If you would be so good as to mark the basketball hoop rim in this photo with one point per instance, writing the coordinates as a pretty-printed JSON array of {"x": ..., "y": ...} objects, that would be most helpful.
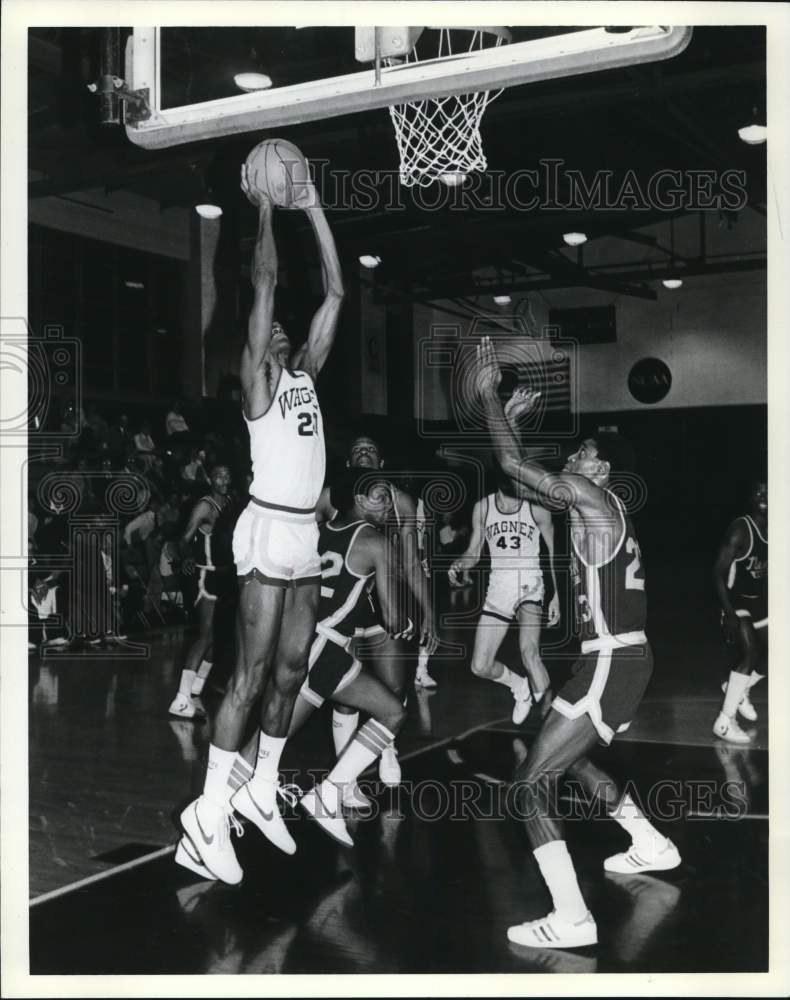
[{"x": 498, "y": 31}]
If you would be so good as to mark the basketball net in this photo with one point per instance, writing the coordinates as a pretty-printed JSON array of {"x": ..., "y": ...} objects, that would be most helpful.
[{"x": 439, "y": 137}]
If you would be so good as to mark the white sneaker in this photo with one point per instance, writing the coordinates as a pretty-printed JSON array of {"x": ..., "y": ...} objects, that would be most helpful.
[
  {"x": 728, "y": 729},
  {"x": 261, "y": 809},
  {"x": 745, "y": 706},
  {"x": 660, "y": 856},
  {"x": 424, "y": 680},
  {"x": 552, "y": 931},
  {"x": 183, "y": 707},
  {"x": 353, "y": 798},
  {"x": 188, "y": 857},
  {"x": 522, "y": 697},
  {"x": 208, "y": 826},
  {"x": 314, "y": 804},
  {"x": 389, "y": 766},
  {"x": 59, "y": 640}
]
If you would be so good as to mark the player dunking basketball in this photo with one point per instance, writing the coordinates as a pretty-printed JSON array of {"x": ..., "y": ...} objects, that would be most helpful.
[
  {"x": 608, "y": 681},
  {"x": 274, "y": 546}
]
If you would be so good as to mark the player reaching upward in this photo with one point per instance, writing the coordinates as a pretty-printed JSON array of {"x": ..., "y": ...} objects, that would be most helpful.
[
  {"x": 202, "y": 563},
  {"x": 274, "y": 543},
  {"x": 512, "y": 528},
  {"x": 609, "y": 679},
  {"x": 740, "y": 577}
]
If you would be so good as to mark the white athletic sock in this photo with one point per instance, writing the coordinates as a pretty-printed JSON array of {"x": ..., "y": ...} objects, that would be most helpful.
[
  {"x": 559, "y": 874},
  {"x": 360, "y": 753},
  {"x": 343, "y": 729},
  {"x": 216, "y": 787},
  {"x": 267, "y": 765},
  {"x": 737, "y": 686},
  {"x": 200, "y": 678},
  {"x": 633, "y": 821},
  {"x": 755, "y": 678},
  {"x": 240, "y": 773},
  {"x": 186, "y": 682},
  {"x": 508, "y": 678},
  {"x": 422, "y": 660}
]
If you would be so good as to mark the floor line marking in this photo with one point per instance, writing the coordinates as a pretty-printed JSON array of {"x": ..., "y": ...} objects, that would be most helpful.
[{"x": 99, "y": 876}]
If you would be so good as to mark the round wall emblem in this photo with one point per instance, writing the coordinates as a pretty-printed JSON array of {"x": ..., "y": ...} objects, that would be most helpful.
[{"x": 649, "y": 380}]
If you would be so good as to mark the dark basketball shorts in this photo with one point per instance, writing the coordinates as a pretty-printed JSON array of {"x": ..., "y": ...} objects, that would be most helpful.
[
  {"x": 608, "y": 683},
  {"x": 753, "y": 608},
  {"x": 330, "y": 668}
]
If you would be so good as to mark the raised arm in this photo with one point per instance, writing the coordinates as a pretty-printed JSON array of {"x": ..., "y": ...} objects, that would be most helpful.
[
  {"x": 255, "y": 382},
  {"x": 323, "y": 327},
  {"x": 459, "y": 569},
  {"x": 556, "y": 491},
  {"x": 735, "y": 545}
]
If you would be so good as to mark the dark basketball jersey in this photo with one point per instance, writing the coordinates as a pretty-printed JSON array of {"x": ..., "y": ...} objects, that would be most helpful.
[
  {"x": 748, "y": 576},
  {"x": 610, "y": 598},
  {"x": 203, "y": 546},
  {"x": 343, "y": 606}
]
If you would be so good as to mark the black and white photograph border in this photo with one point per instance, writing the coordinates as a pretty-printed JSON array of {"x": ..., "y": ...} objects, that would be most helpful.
[{"x": 629, "y": 380}]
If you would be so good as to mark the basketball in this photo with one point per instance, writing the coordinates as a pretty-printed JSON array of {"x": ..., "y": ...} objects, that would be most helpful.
[{"x": 278, "y": 169}]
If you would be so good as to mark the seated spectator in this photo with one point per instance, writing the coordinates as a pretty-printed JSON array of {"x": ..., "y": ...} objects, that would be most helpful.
[
  {"x": 119, "y": 439},
  {"x": 194, "y": 470},
  {"x": 175, "y": 423},
  {"x": 144, "y": 444}
]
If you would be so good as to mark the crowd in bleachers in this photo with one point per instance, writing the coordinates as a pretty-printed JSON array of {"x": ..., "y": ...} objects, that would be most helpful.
[{"x": 166, "y": 459}]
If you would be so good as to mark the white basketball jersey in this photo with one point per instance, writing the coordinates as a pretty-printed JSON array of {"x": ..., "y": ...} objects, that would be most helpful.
[
  {"x": 287, "y": 446},
  {"x": 513, "y": 539}
]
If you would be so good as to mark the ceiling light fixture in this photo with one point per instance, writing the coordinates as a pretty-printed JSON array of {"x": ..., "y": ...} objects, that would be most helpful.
[
  {"x": 672, "y": 283},
  {"x": 369, "y": 260},
  {"x": 252, "y": 81},
  {"x": 754, "y": 135},
  {"x": 208, "y": 211},
  {"x": 574, "y": 239},
  {"x": 502, "y": 300},
  {"x": 137, "y": 285}
]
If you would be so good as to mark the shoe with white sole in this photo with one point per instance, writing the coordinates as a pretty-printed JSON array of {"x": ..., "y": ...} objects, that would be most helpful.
[
  {"x": 188, "y": 857},
  {"x": 354, "y": 799},
  {"x": 318, "y": 803},
  {"x": 745, "y": 706},
  {"x": 522, "y": 698},
  {"x": 389, "y": 766},
  {"x": 424, "y": 680},
  {"x": 728, "y": 729},
  {"x": 259, "y": 805},
  {"x": 659, "y": 856},
  {"x": 208, "y": 826},
  {"x": 183, "y": 707},
  {"x": 553, "y": 931}
]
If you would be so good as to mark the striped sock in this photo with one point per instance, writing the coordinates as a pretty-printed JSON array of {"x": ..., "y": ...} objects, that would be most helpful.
[
  {"x": 220, "y": 765},
  {"x": 200, "y": 678},
  {"x": 240, "y": 773},
  {"x": 343, "y": 728},
  {"x": 366, "y": 746}
]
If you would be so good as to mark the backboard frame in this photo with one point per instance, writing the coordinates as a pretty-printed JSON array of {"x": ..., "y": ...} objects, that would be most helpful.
[{"x": 584, "y": 51}]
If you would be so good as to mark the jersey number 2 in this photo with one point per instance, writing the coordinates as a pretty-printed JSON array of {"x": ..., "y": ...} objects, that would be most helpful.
[
  {"x": 306, "y": 425},
  {"x": 632, "y": 581},
  {"x": 331, "y": 565}
]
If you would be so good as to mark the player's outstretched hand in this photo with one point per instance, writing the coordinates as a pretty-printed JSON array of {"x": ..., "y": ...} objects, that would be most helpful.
[
  {"x": 522, "y": 400},
  {"x": 488, "y": 374},
  {"x": 254, "y": 196}
]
